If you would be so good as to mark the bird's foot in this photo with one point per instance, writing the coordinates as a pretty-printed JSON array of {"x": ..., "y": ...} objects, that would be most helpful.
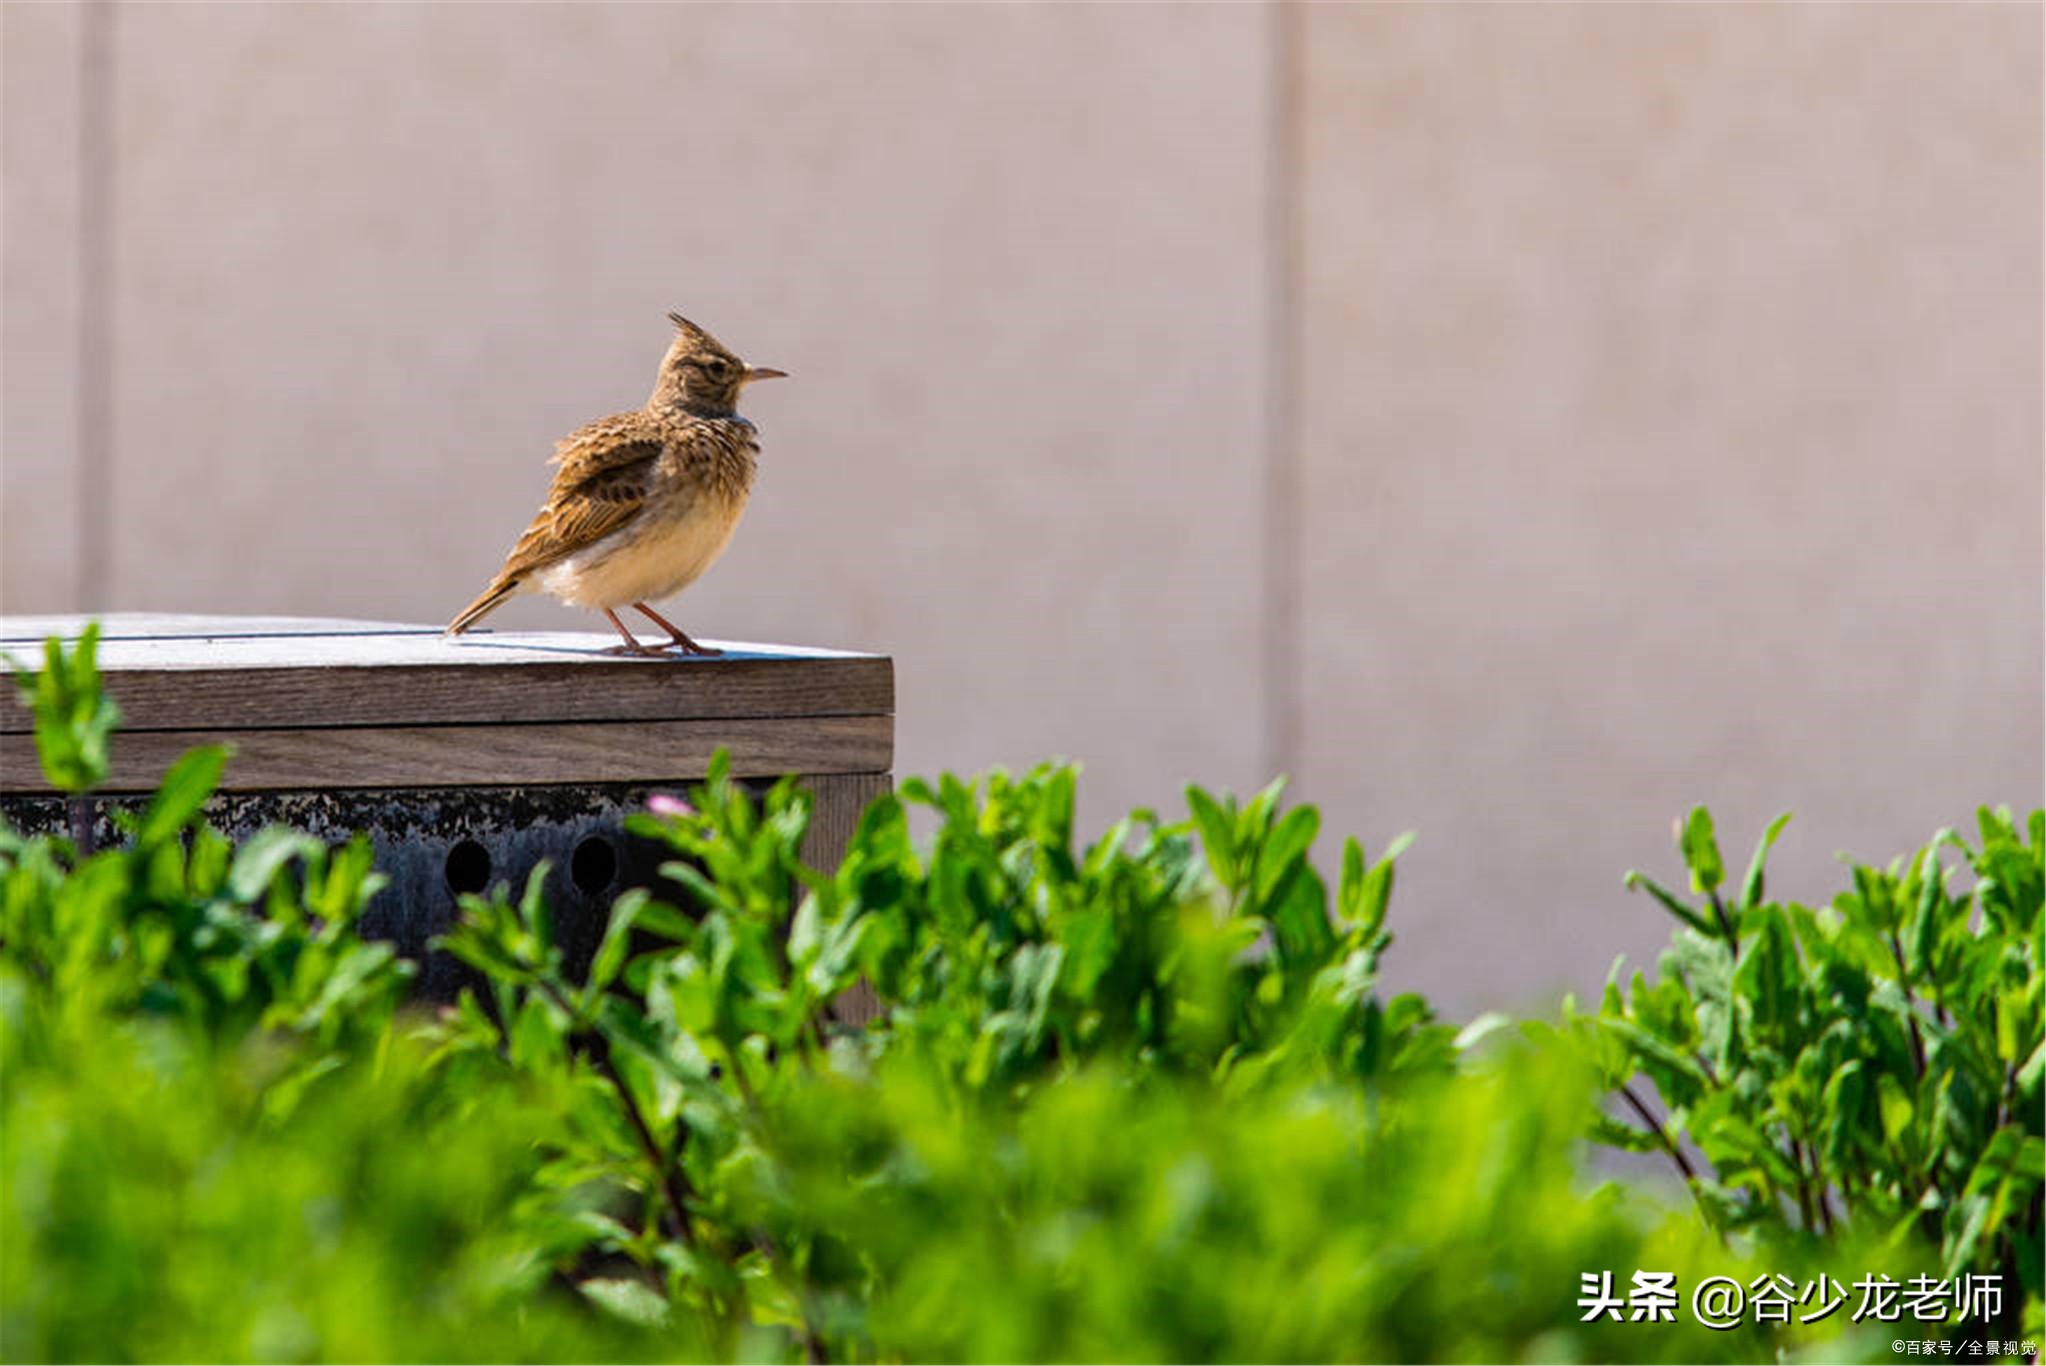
[
  {"x": 636, "y": 651},
  {"x": 678, "y": 639}
]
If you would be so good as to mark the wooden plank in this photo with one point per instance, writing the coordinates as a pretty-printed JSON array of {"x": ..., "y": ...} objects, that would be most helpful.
[
  {"x": 137, "y": 625},
  {"x": 456, "y": 756},
  {"x": 840, "y": 798},
  {"x": 342, "y": 696},
  {"x": 416, "y": 677}
]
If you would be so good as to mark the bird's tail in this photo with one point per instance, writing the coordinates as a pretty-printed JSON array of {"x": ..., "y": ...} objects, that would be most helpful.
[{"x": 491, "y": 598}]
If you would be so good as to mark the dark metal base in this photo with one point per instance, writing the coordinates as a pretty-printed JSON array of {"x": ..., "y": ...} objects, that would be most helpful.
[{"x": 434, "y": 844}]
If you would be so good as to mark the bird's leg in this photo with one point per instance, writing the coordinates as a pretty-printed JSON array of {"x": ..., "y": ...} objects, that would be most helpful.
[
  {"x": 675, "y": 636},
  {"x": 631, "y": 646}
]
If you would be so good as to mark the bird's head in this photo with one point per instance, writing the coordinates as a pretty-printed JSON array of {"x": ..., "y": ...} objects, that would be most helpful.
[{"x": 700, "y": 375}]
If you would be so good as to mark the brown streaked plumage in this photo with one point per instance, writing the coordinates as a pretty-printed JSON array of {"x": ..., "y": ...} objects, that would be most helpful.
[{"x": 643, "y": 502}]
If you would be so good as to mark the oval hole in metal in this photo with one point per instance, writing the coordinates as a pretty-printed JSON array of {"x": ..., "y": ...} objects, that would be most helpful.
[
  {"x": 468, "y": 867},
  {"x": 594, "y": 865}
]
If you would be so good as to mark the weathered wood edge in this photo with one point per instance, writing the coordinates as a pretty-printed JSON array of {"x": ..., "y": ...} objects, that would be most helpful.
[
  {"x": 495, "y": 755},
  {"x": 146, "y": 640},
  {"x": 22, "y": 628},
  {"x": 342, "y": 695}
]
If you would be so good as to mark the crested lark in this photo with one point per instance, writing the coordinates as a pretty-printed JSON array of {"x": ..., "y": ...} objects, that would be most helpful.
[{"x": 642, "y": 502}]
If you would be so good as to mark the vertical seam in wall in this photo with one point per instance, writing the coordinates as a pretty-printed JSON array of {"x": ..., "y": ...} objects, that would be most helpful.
[
  {"x": 1283, "y": 550},
  {"x": 95, "y": 305}
]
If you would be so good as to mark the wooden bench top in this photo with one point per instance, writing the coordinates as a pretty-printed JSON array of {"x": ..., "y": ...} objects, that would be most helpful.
[{"x": 338, "y": 703}]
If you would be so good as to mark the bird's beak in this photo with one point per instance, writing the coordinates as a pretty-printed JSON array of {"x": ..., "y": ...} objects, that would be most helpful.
[{"x": 754, "y": 372}]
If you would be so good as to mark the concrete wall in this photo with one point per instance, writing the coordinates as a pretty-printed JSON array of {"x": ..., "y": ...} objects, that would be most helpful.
[{"x": 1516, "y": 422}]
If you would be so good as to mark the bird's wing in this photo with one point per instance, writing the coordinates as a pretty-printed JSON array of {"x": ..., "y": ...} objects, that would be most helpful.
[{"x": 605, "y": 471}]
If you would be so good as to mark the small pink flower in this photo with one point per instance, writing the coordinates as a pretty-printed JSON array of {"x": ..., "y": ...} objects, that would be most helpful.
[{"x": 661, "y": 804}]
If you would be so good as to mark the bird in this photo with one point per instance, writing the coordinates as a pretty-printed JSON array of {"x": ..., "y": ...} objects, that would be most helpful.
[{"x": 642, "y": 503}]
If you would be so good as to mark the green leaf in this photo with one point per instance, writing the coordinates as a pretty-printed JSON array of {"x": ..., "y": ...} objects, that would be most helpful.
[
  {"x": 610, "y": 956},
  {"x": 1896, "y": 1105},
  {"x": 624, "y": 1027},
  {"x": 1700, "y": 849},
  {"x": 184, "y": 790},
  {"x": 1482, "y": 1027},
  {"x": 534, "y": 912},
  {"x": 1218, "y": 834},
  {"x": 261, "y": 856},
  {"x": 630, "y": 1301},
  {"x": 806, "y": 932},
  {"x": 74, "y": 718},
  {"x": 708, "y": 891},
  {"x": 536, "y": 1036},
  {"x": 657, "y": 917},
  {"x": 1641, "y": 882},
  {"x": 1299, "y": 918},
  {"x": 1657, "y": 1053},
  {"x": 1751, "y": 886},
  {"x": 1350, "y": 889},
  {"x": 1286, "y": 847},
  {"x": 1768, "y": 974},
  {"x": 1375, "y": 895},
  {"x": 1254, "y": 821},
  {"x": 2033, "y": 1072}
]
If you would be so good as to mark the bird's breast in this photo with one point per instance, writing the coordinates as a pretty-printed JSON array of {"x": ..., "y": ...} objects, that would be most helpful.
[{"x": 675, "y": 538}]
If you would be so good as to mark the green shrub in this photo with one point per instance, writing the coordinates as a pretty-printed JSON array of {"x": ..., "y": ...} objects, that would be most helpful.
[
  {"x": 1003, "y": 961},
  {"x": 1874, "y": 1065}
]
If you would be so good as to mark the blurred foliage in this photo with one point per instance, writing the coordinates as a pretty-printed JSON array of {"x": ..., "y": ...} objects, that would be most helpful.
[
  {"x": 1142, "y": 1100},
  {"x": 74, "y": 718},
  {"x": 163, "y": 1201},
  {"x": 1102, "y": 1219}
]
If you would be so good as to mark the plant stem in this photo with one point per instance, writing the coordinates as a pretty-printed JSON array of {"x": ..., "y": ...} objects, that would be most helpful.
[
  {"x": 671, "y": 1182},
  {"x": 1628, "y": 1094},
  {"x": 1807, "y": 1154},
  {"x": 81, "y": 827},
  {"x": 667, "y": 1174},
  {"x": 1910, "y": 1007},
  {"x": 1804, "y": 1190},
  {"x": 1733, "y": 942}
]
